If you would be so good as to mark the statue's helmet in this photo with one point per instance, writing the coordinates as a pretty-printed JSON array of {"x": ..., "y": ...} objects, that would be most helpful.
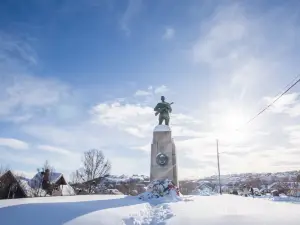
[{"x": 162, "y": 98}]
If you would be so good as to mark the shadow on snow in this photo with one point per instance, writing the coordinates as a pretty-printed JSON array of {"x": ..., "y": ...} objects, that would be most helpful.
[{"x": 58, "y": 213}]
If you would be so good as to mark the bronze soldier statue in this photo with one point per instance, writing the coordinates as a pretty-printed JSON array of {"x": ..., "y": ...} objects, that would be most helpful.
[{"x": 163, "y": 109}]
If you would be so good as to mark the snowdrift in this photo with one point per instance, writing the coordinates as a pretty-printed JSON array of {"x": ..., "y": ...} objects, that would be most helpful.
[{"x": 161, "y": 189}]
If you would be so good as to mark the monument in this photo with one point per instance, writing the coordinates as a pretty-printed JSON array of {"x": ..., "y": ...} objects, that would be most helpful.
[{"x": 163, "y": 151}]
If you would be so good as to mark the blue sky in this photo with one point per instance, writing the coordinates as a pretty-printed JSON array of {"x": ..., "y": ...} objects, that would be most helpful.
[{"x": 81, "y": 74}]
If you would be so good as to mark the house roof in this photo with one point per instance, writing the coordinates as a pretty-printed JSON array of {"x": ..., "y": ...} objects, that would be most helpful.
[
  {"x": 53, "y": 178},
  {"x": 26, "y": 187},
  {"x": 22, "y": 183},
  {"x": 204, "y": 186}
]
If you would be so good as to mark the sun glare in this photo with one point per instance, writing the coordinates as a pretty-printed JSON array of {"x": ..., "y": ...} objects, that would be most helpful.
[
  {"x": 233, "y": 120},
  {"x": 228, "y": 123}
]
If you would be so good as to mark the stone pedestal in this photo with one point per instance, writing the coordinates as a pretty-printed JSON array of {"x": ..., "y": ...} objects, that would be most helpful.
[{"x": 163, "y": 155}]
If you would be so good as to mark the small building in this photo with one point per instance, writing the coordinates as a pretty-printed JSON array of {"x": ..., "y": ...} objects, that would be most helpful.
[
  {"x": 59, "y": 185},
  {"x": 13, "y": 186},
  {"x": 187, "y": 187}
]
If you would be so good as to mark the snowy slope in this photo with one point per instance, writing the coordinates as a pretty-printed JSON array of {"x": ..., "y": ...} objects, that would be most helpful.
[
  {"x": 112, "y": 210},
  {"x": 126, "y": 179}
]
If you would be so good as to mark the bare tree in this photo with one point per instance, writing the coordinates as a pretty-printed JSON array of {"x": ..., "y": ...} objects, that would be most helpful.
[
  {"x": 95, "y": 165},
  {"x": 48, "y": 166},
  {"x": 75, "y": 177}
]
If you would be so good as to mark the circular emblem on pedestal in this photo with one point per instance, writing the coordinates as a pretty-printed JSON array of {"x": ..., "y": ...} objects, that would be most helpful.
[{"x": 162, "y": 159}]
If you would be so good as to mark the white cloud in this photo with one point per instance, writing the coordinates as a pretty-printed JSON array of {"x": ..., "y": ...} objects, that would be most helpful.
[
  {"x": 13, "y": 143},
  {"x": 293, "y": 133},
  {"x": 23, "y": 159},
  {"x": 54, "y": 149},
  {"x": 131, "y": 118},
  {"x": 146, "y": 148},
  {"x": 161, "y": 89},
  {"x": 294, "y": 111},
  {"x": 288, "y": 104},
  {"x": 15, "y": 50},
  {"x": 18, "y": 118},
  {"x": 214, "y": 45},
  {"x": 133, "y": 8},
  {"x": 32, "y": 91},
  {"x": 21, "y": 94},
  {"x": 182, "y": 119},
  {"x": 78, "y": 137},
  {"x": 248, "y": 55},
  {"x": 139, "y": 120},
  {"x": 142, "y": 93},
  {"x": 169, "y": 33},
  {"x": 27, "y": 174}
]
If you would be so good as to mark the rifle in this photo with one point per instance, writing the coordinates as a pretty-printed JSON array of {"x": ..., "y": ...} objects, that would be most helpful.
[{"x": 159, "y": 112}]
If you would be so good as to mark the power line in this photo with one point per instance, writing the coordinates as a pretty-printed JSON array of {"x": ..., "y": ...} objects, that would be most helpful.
[
  {"x": 293, "y": 83},
  {"x": 289, "y": 84},
  {"x": 289, "y": 87}
]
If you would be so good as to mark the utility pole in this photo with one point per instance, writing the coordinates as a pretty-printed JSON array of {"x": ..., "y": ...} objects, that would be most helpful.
[{"x": 220, "y": 188}]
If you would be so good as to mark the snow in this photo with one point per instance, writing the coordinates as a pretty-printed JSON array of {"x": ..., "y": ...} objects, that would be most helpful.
[
  {"x": 161, "y": 189},
  {"x": 53, "y": 178},
  {"x": 129, "y": 210},
  {"x": 203, "y": 192},
  {"x": 162, "y": 128},
  {"x": 26, "y": 188},
  {"x": 125, "y": 178},
  {"x": 67, "y": 190}
]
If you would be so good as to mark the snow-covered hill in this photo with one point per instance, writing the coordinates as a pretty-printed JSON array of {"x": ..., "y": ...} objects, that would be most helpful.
[
  {"x": 113, "y": 210},
  {"x": 126, "y": 178}
]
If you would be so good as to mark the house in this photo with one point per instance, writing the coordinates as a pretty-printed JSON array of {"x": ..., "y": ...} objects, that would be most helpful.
[
  {"x": 187, "y": 187},
  {"x": 13, "y": 186},
  {"x": 56, "y": 180},
  {"x": 288, "y": 188},
  {"x": 204, "y": 188}
]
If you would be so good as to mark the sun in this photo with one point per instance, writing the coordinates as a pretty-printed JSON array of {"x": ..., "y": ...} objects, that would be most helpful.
[
  {"x": 233, "y": 119},
  {"x": 228, "y": 123}
]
